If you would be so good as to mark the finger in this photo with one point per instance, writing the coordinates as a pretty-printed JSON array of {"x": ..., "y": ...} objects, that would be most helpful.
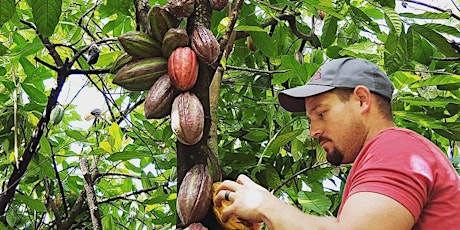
[
  {"x": 243, "y": 179},
  {"x": 227, "y": 212},
  {"x": 221, "y": 195},
  {"x": 228, "y": 185}
]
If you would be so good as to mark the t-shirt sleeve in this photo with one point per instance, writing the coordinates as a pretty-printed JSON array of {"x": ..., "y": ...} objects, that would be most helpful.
[{"x": 397, "y": 171}]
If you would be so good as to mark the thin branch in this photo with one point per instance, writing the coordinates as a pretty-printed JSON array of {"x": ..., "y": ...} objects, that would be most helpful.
[
  {"x": 89, "y": 71},
  {"x": 61, "y": 187},
  {"x": 46, "y": 64},
  {"x": 82, "y": 51},
  {"x": 120, "y": 174},
  {"x": 446, "y": 59},
  {"x": 256, "y": 70},
  {"x": 435, "y": 8},
  {"x": 90, "y": 195},
  {"x": 124, "y": 196},
  {"x": 297, "y": 174}
]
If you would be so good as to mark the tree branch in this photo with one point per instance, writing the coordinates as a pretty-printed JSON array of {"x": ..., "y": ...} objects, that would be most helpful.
[
  {"x": 124, "y": 196},
  {"x": 90, "y": 196},
  {"x": 435, "y": 8},
  {"x": 296, "y": 174},
  {"x": 89, "y": 71}
]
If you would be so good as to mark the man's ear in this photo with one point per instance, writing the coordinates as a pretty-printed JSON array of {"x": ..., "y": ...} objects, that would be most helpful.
[{"x": 363, "y": 95}]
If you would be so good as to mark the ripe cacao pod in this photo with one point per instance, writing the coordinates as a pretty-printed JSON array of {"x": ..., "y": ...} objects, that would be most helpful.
[
  {"x": 233, "y": 223},
  {"x": 140, "y": 74},
  {"x": 174, "y": 37},
  {"x": 183, "y": 68},
  {"x": 196, "y": 226},
  {"x": 187, "y": 118},
  {"x": 140, "y": 45},
  {"x": 218, "y": 4},
  {"x": 161, "y": 20},
  {"x": 181, "y": 8},
  {"x": 120, "y": 62},
  {"x": 205, "y": 45},
  {"x": 159, "y": 99},
  {"x": 194, "y": 196}
]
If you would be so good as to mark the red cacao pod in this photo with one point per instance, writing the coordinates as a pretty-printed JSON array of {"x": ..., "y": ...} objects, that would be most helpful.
[
  {"x": 218, "y": 4},
  {"x": 195, "y": 194},
  {"x": 187, "y": 118},
  {"x": 196, "y": 226},
  {"x": 160, "y": 97},
  {"x": 183, "y": 68},
  {"x": 205, "y": 45}
]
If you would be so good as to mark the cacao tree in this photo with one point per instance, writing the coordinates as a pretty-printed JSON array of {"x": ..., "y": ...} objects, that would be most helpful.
[{"x": 82, "y": 146}]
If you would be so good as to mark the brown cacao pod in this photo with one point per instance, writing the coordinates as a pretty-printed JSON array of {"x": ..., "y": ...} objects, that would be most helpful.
[
  {"x": 140, "y": 74},
  {"x": 183, "y": 68},
  {"x": 187, "y": 118},
  {"x": 196, "y": 226},
  {"x": 194, "y": 196},
  {"x": 181, "y": 8},
  {"x": 161, "y": 20},
  {"x": 140, "y": 45},
  {"x": 122, "y": 60},
  {"x": 233, "y": 223},
  {"x": 159, "y": 99},
  {"x": 218, "y": 4},
  {"x": 174, "y": 37},
  {"x": 205, "y": 45}
]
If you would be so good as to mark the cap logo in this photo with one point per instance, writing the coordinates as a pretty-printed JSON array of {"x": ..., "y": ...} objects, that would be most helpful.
[{"x": 317, "y": 76}]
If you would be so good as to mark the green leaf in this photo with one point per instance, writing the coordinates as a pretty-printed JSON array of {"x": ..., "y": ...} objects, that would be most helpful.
[
  {"x": 392, "y": 19},
  {"x": 440, "y": 102},
  {"x": 78, "y": 136},
  {"x": 128, "y": 155},
  {"x": 360, "y": 17},
  {"x": 421, "y": 119},
  {"x": 311, "y": 201},
  {"x": 45, "y": 146},
  {"x": 7, "y": 10},
  {"x": 34, "y": 94},
  {"x": 256, "y": 135},
  {"x": 437, "y": 80},
  {"x": 427, "y": 15},
  {"x": 116, "y": 133},
  {"x": 264, "y": 43},
  {"x": 46, "y": 15},
  {"x": 282, "y": 139},
  {"x": 34, "y": 204},
  {"x": 436, "y": 39},
  {"x": 249, "y": 28},
  {"x": 3, "y": 49},
  {"x": 443, "y": 29},
  {"x": 329, "y": 31}
]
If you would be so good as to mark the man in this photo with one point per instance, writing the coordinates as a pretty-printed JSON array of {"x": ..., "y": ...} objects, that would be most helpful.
[{"x": 399, "y": 179}]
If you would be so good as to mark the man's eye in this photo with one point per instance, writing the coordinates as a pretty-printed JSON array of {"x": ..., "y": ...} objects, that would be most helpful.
[{"x": 321, "y": 115}]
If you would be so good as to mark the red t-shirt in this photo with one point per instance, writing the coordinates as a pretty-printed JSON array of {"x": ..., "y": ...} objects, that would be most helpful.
[{"x": 410, "y": 169}]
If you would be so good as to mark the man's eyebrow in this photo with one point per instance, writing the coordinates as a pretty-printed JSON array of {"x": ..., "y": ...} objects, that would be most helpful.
[{"x": 314, "y": 108}]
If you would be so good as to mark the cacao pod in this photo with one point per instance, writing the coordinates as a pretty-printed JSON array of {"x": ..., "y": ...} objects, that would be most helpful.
[
  {"x": 218, "y": 4},
  {"x": 140, "y": 74},
  {"x": 56, "y": 114},
  {"x": 181, "y": 8},
  {"x": 120, "y": 62},
  {"x": 233, "y": 223},
  {"x": 161, "y": 20},
  {"x": 194, "y": 196},
  {"x": 159, "y": 99},
  {"x": 205, "y": 45},
  {"x": 187, "y": 118},
  {"x": 196, "y": 226},
  {"x": 174, "y": 38},
  {"x": 140, "y": 45},
  {"x": 183, "y": 68}
]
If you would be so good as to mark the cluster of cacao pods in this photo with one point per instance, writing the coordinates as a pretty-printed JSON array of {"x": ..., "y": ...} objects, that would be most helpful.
[{"x": 164, "y": 60}]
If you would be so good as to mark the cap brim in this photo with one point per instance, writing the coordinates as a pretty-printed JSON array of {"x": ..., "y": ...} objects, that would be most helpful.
[{"x": 293, "y": 100}]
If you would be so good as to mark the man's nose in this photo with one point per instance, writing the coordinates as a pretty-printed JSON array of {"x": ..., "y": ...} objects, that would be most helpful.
[{"x": 315, "y": 131}]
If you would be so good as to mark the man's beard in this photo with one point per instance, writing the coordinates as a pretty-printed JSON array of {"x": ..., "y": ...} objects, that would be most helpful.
[{"x": 335, "y": 157}]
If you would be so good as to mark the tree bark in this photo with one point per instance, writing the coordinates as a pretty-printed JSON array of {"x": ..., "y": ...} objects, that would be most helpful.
[{"x": 90, "y": 196}]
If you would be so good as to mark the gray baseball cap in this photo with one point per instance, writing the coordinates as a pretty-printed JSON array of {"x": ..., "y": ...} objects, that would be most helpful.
[{"x": 346, "y": 72}]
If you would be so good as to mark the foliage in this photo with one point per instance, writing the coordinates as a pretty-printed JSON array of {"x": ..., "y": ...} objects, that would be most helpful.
[{"x": 133, "y": 160}]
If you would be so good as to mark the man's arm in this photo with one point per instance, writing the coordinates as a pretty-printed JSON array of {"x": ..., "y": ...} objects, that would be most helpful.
[{"x": 363, "y": 210}]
